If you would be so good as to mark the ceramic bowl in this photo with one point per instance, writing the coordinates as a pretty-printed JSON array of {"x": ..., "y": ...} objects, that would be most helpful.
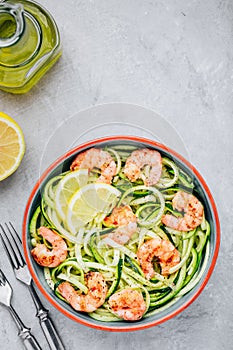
[{"x": 62, "y": 164}]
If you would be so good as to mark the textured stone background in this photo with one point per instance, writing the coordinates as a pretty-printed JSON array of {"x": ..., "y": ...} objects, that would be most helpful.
[{"x": 174, "y": 57}]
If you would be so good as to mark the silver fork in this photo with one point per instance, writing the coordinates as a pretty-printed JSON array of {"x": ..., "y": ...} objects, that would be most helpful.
[
  {"x": 13, "y": 248},
  {"x": 29, "y": 341}
]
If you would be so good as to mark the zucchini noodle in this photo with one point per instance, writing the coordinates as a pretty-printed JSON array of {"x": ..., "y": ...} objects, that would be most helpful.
[{"x": 93, "y": 248}]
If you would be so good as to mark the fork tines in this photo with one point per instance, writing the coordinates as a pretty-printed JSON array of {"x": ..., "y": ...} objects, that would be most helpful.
[{"x": 11, "y": 243}]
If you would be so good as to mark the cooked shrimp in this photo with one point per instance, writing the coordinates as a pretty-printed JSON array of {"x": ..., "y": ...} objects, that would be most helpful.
[
  {"x": 128, "y": 304},
  {"x": 97, "y": 292},
  {"x": 96, "y": 158},
  {"x": 46, "y": 257},
  {"x": 137, "y": 160},
  {"x": 165, "y": 252},
  {"x": 120, "y": 216},
  {"x": 191, "y": 206},
  {"x": 126, "y": 220}
]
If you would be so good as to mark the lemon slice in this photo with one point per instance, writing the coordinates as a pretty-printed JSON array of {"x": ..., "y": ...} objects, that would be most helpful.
[
  {"x": 89, "y": 202},
  {"x": 12, "y": 146},
  {"x": 69, "y": 184}
]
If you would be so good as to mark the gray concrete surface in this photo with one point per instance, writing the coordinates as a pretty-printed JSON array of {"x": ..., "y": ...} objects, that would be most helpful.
[{"x": 174, "y": 57}]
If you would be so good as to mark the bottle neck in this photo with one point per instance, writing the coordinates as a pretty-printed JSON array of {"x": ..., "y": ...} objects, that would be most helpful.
[
  {"x": 20, "y": 35},
  {"x": 12, "y": 24}
]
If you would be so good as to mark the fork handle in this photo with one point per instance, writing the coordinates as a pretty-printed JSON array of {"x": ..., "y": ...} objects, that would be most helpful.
[
  {"x": 29, "y": 341},
  {"x": 51, "y": 333},
  {"x": 46, "y": 323}
]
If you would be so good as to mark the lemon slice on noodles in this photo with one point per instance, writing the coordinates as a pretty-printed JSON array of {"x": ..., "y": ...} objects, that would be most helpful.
[
  {"x": 89, "y": 202},
  {"x": 12, "y": 146},
  {"x": 66, "y": 187}
]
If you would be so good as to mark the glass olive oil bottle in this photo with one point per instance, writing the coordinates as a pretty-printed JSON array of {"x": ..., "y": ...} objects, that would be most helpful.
[{"x": 29, "y": 44}]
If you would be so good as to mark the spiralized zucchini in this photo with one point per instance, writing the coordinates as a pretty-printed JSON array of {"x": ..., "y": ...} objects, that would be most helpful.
[{"x": 92, "y": 249}]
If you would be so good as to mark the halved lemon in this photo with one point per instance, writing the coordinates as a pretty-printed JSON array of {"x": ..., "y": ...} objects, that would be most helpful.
[
  {"x": 89, "y": 202},
  {"x": 12, "y": 146},
  {"x": 66, "y": 188}
]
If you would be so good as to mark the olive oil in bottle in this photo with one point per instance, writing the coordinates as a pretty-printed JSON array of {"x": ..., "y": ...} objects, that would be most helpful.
[{"x": 29, "y": 44}]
